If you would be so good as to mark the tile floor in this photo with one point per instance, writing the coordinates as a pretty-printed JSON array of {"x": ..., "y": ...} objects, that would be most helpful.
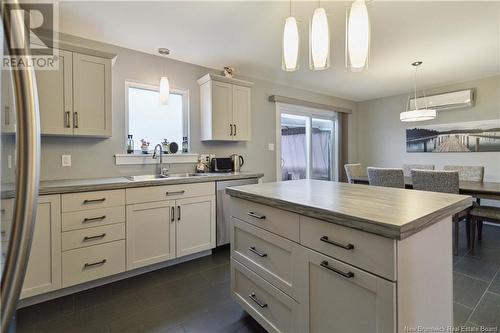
[{"x": 194, "y": 297}]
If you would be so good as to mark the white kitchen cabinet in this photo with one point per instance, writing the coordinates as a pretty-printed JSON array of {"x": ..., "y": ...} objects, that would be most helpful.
[
  {"x": 44, "y": 266},
  {"x": 336, "y": 297},
  {"x": 55, "y": 97},
  {"x": 91, "y": 96},
  {"x": 225, "y": 108},
  {"x": 195, "y": 229},
  {"x": 150, "y": 233},
  {"x": 8, "y": 116},
  {"x": 75, "y": 99}
]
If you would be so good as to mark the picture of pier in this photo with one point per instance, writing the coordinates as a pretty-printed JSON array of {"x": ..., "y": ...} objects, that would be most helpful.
[{"x": 472, "y": 136}]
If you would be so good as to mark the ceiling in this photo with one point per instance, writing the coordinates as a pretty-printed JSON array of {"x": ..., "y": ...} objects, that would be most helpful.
[{"x": 457, "y": 41}]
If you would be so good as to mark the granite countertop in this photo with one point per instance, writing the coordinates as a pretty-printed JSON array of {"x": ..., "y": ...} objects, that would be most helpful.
[
  {"x": 99, "y": 184},
  {"x": 389, "y": 212}
]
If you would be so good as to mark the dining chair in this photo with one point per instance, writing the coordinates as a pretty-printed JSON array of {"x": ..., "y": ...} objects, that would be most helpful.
[
  {"x": 387, "y": 177},
  {"x": 353, "y": 170},
  {"x": 471, "y": 174},
  {"x": 443, "y": 182},
  {"x": 467, "y": 173},
  {"x": 408, "y": 167},
  {"x": 479, "y": 214}
]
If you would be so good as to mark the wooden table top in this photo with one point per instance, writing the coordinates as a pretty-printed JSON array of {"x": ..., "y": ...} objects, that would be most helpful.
[
  {"x": 389, "y": 212},
  {"x": 486, "y": 190}
]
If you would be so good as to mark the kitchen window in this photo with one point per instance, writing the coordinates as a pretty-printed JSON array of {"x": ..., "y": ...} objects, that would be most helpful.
[
  {"x": 306, "y": 143},
  {"x": 148, "y": 120}
]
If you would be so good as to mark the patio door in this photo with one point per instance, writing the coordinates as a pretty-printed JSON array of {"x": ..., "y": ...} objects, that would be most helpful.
[{"x": 306, "y": 143}]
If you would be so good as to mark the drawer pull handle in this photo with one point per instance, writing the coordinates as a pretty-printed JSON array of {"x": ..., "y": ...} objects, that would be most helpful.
[
  {"x": 92, "y": 201},
  {"x": 89, "y": 238},
  {"x": 256, "y": 300},
  {"x": 257, "y": 216},
  {"x": 348, "y": 274},
  {"x": 344, "y": 246},
  {"x": 172, "y": 213},
  {"x": 98, "y": 263},
  {"x": 175, "y": 193},
  {"x": 257, "y": 252},
  {"x": 93, "y": 219}
]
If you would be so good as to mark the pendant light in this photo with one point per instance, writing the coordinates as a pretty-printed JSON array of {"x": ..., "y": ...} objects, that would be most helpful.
[
  {"x": 357, "y": 37},
  {"x": 164, "y": 84},
  {"x": 290, "y": 59},
  {"x": 417, "y": 114},
  {"x": 319, "y": 40}
]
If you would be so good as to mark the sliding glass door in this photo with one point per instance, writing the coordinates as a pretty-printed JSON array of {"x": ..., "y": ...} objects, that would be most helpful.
[{"x": 306, "y": 144}]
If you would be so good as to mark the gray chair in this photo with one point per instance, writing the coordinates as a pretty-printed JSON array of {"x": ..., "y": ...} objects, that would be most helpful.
[
  {"x": 467, "y": 173},
  {"x": 387, "y": 177},
  {"x": 435, "y": 181},
  {"x": 444, "y": 182},
  {"x": 408, "y": 167},
  {"x": 477, "y": 216},
  {"x": 353, "y": 170}
]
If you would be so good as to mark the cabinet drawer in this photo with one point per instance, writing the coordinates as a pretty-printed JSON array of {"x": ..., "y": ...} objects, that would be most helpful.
[
  {"x": 92, "y": 236},
  {"x": 92, "y": 200},
  {"x": 94, "y": 218},
  {"x": 93, "y": 262},
  {"x": 280, "y": 222},
  {"x": 169, "y": 192},
  {"x": 370, "y": 252},
  {"x": 268, "y": 255},
  {"x": 274, "y": 310}
]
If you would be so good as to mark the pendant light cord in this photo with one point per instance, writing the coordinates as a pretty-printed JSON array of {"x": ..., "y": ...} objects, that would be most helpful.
[{"x": 416, "y": 106}]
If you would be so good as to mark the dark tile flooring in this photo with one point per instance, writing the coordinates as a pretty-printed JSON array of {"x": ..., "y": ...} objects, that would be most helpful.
[{"x": 195, "y": 297}]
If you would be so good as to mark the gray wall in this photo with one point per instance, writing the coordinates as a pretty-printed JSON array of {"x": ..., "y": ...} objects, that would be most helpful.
[
  {"x": 94, "y": 157},
  {"x": 380, "y": 135}
]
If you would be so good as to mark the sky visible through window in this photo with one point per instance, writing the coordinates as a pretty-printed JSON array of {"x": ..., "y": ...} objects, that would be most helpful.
[{"x": 149, "y": 120}]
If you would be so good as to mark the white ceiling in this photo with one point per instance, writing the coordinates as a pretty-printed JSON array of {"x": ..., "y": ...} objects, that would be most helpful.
[{"x": 457, "y": 41}]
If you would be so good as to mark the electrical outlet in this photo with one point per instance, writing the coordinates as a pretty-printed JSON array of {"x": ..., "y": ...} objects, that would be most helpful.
[
  {"x": 66, "y": 160},
  {"x": 270, "y": 146}
]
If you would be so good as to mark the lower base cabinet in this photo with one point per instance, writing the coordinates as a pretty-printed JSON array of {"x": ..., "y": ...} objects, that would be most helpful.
[
  {"x": 150, "y": 233},
  {"x": 44, "y": 266},
  {"x": 336, "y": 297}
]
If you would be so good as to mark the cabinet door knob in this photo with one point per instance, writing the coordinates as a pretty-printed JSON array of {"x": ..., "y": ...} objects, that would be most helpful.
[
  {"x": 67, "y": 122},
  {"x": 75, "y": 120}
]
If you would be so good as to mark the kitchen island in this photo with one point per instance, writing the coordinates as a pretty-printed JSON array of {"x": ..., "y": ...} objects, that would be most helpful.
[{"x": 316, "y": 256}]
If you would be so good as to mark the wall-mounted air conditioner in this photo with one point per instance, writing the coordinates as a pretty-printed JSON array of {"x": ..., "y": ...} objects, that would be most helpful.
[{"x": 450, "y": 100}]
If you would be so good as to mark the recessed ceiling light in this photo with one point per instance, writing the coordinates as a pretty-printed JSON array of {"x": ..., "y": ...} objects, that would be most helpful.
[{"x": 163, "y": 51}]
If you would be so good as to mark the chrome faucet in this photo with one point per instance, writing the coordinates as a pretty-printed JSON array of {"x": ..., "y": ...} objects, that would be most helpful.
[{"x": 163, "y": 171}]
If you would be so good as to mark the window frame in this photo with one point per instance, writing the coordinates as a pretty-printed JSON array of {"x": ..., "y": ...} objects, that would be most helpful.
[
  {"x": 184, "y": 92},
  {"x": 310, "y": 113}
]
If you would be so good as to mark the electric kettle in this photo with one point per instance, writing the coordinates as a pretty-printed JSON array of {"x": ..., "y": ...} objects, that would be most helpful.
[{"x": 237, "y": 162}]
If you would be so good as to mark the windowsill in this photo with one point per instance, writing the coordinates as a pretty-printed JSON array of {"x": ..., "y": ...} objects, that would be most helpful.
[{"x": 139, "y": 158}]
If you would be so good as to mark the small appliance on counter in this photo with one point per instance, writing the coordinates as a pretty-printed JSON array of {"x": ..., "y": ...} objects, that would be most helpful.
[
  {"x": 237, "y": 162},
  {"x": 221, "y": 164}
]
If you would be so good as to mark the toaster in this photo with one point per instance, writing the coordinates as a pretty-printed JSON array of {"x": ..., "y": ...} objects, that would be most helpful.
[{"x": 221, "y": 164}]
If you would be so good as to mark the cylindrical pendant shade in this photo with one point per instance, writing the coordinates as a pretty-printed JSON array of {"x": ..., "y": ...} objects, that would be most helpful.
[
  {"x": 164, "y": 90},
  {"x": 319, "y": 41},
  {"x": 417, "y": 115},
  {"x": 357, "y": 37},
  {"x": 290, "y": 45}
]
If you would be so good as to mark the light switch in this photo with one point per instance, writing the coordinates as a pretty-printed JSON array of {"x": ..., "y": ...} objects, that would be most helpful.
[
  {"x": 270, "y": 146},
  {"x": 66, "y": 160}
]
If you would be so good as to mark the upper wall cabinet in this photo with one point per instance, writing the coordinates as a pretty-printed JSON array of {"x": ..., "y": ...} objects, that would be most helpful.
[
  {"x": 75, "y": 100},
  {"x": 225, "y": 108}
]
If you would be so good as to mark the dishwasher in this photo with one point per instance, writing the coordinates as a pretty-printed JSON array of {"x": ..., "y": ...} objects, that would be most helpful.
[{"x": 223, "y": 212}]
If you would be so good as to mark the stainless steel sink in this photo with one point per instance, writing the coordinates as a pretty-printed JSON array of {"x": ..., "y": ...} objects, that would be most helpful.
[
  {"x": 146, "y": 177},
  {"x": 187, "y": 174},
  {"x": 159, "y": 177}
]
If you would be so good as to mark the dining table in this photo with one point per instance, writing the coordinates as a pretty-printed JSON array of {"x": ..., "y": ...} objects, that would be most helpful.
[{"x": 480, "y": 190}]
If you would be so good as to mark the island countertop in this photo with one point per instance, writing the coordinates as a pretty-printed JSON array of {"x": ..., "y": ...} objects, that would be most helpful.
[
  {"x": 389, "y": 212},
  {"x": 100, "y": 184}
]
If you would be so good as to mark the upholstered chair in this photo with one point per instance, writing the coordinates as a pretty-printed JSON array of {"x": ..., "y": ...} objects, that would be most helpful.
[
  {"x": 408, "y": 167},
  {"x": 353, "y": 170},
  {"x": 387, "y": 177},
  {"x": 467, "y": 173}
]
